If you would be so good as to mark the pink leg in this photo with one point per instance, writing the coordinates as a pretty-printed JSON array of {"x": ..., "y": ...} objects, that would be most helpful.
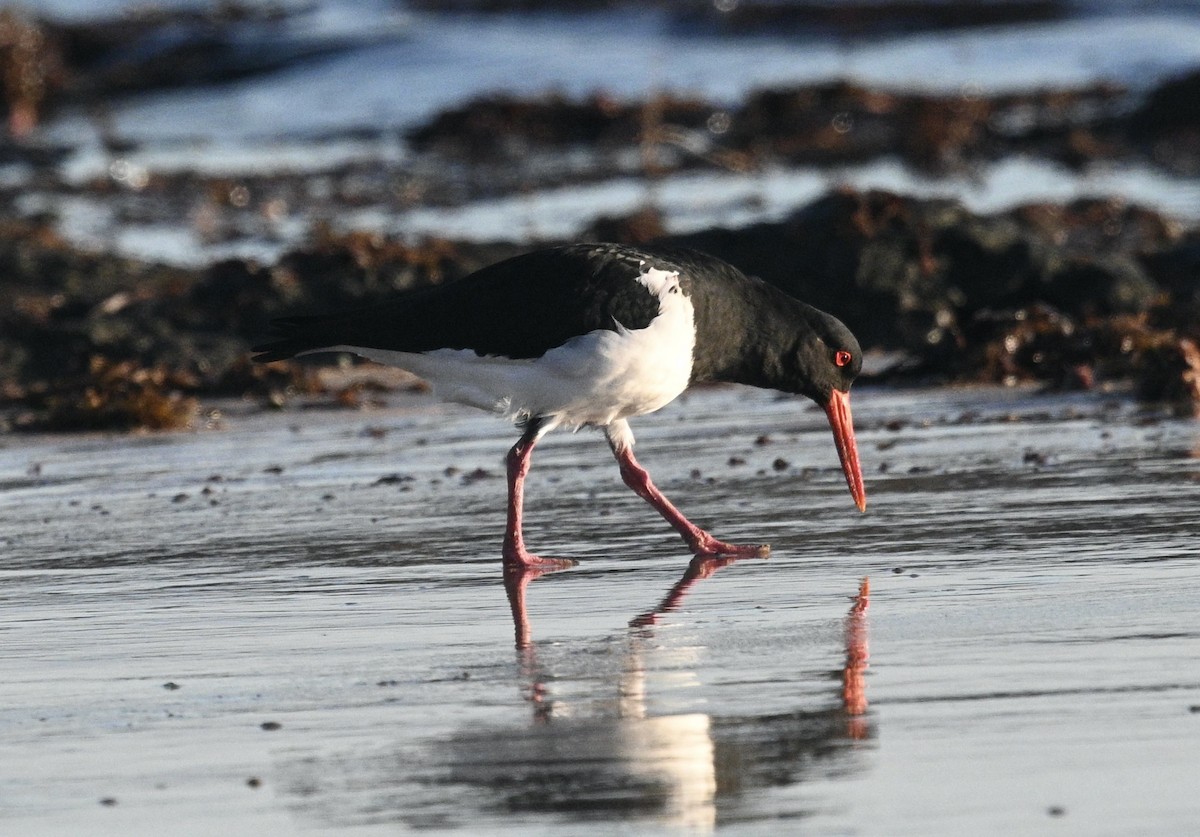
[
  {"x": 700, "y": 542},
  {"x": 514, "y": 553}
]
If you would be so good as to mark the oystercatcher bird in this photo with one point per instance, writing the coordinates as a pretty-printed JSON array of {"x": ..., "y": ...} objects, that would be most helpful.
[{"x": 594, "y": 334}]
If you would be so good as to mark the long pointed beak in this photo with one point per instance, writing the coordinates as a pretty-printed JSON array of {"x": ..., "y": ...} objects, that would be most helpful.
[{"x": 838, "y": 410}]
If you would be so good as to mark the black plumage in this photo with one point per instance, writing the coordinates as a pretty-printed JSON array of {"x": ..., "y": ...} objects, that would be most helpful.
[{"x": 519, "y": 308}]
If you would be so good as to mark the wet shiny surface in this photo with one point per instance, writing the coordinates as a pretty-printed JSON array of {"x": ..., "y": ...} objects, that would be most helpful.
[{"x": 1028, "y": 659}]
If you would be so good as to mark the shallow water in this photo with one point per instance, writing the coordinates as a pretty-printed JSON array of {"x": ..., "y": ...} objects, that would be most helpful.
[{"x": 1027, "y": 656}]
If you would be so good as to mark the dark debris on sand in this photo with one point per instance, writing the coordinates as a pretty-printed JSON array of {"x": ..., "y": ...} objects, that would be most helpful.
[
  {"x": 862, "y": 18},
  {"x": 95, "y": 341},
  {"x": 834, "y": 123},
  {"x": 1070, "y": 295}
]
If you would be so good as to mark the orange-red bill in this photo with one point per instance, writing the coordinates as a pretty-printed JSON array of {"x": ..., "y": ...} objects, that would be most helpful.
[{"x": 838, "y": 410}]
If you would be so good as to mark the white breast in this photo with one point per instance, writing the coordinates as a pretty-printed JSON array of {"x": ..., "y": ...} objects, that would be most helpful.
[{"x": 595, "y": 378}]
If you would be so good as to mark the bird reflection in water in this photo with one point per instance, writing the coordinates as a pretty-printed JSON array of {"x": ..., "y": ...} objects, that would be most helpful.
[{"x": 684, "y": 770}]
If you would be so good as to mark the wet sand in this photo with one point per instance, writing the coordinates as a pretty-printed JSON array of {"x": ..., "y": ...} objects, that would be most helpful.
[{"x": 298, "y": 623}]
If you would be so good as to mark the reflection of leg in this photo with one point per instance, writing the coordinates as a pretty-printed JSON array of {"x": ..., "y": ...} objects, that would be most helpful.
[
  {"x": 514, "y": 552},
  {"x": 854, "y": 683},
  {"x": 698, "y": 568},
  {"x": 516, "y": 580},
  {"x": 700, "y": 542}
]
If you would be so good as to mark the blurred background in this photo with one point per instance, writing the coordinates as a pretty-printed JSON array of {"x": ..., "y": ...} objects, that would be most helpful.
[{"x": 995, "y": 190}]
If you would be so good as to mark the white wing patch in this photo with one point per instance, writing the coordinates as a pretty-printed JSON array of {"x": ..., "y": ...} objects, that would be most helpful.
[{"x": 595, "y": 378}]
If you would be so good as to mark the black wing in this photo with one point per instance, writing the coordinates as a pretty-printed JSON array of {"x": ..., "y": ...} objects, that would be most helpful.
[{"x": 519, "y": 308}]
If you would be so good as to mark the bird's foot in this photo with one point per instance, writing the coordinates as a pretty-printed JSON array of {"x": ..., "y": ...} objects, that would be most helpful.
[
  {"x": 706, "y": 546},
  {"x": 519, "y": 560}
]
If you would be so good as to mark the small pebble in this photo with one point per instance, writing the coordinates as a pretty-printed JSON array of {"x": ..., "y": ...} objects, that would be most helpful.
[
  {"x": 393, "y": 479},
  {"x": 475, "y": 476}
]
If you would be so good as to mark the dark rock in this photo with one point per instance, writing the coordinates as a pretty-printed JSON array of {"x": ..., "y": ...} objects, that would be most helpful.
[
  {"x": 1173, "y": 106},
  {"x": 642, "y": 227},
  {"x": 1168, "y": 372},
  {"x": 1177, "y": 268},
  {"x": 502, "y": 127},
  {"x": 154, "y": 48},
  {"x": 868, "y": 19},
  {"x": 1107, "y": 284}
]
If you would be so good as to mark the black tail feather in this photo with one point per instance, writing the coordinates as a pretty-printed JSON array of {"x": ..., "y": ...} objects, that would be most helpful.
[{"x": 296, "y": 335}]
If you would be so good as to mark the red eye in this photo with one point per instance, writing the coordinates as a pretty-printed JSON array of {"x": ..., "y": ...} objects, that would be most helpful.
[{"x": 841, "y": 358}]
